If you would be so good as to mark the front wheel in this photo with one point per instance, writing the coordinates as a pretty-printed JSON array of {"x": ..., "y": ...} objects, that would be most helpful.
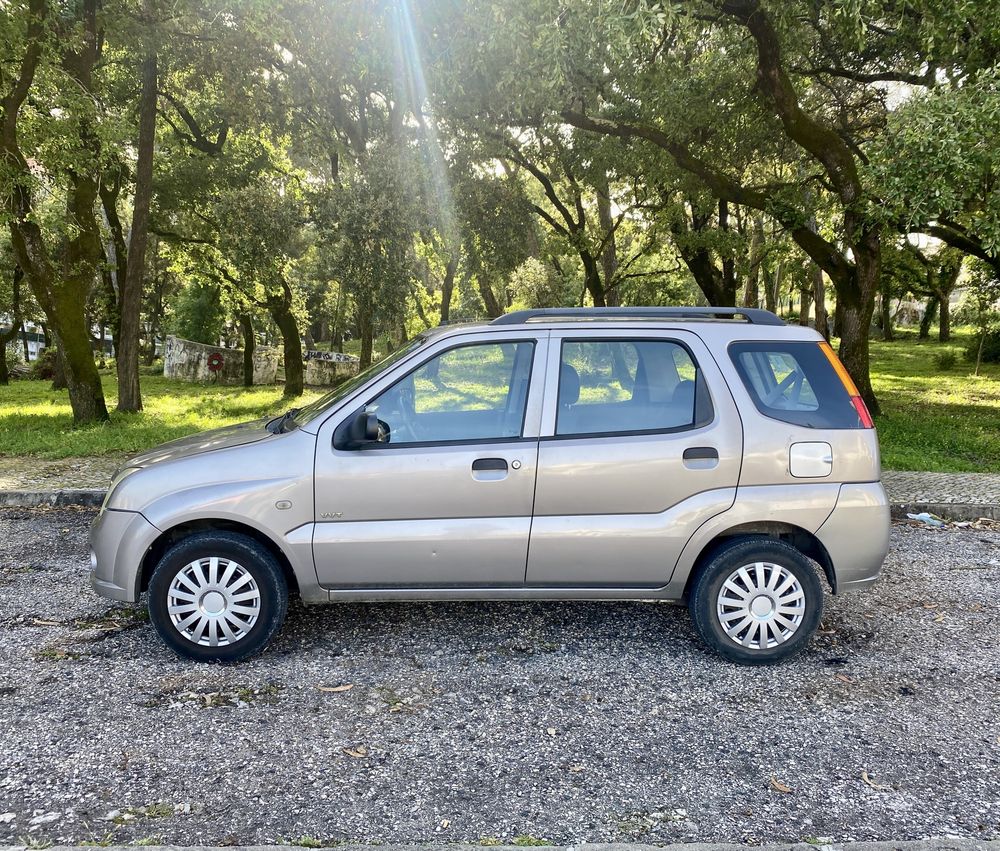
[
  {"x": 757, "y": 601},
  {"x": 217, "y": 597}
]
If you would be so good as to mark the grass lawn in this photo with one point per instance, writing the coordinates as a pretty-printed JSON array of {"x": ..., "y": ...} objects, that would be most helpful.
[
  {"x": 931, "y": 420},
  {"x": 35, "y": 420}
]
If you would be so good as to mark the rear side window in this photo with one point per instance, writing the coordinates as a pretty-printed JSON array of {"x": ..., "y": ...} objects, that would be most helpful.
[
  {"x": 629, "y": 387},
  {"x": 794, "y": 382}
]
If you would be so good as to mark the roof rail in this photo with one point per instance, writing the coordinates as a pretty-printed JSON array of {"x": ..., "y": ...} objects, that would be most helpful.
[{"x": 753, "y": 315}]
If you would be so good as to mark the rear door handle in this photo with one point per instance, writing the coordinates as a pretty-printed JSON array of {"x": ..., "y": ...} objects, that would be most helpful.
[{"x": 489, "y": 465}]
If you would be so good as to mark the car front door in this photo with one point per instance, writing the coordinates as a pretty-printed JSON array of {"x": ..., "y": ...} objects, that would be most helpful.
[
  {"x": 445, "y": 498},
  {"x": 641, "y": 443}
]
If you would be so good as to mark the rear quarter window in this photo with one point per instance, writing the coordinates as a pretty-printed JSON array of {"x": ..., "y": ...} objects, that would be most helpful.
[{"x": 794, "y": 382}]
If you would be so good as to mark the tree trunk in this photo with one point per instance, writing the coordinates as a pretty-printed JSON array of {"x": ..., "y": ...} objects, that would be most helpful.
[
  {"x": 490, "y": 302},
  {"x": 751, "y": 296},
  {"x": 281, "y": 311},
  {"x": 944, "y": 325},
  {"x": 249, "y": 344},
  {"x": 728, "y": 279},
  {"x": 885, "y": 307},
  {"x": 805, "y": 301},
  {"x": 16, "y": 325},
  {"x": 367, "y": 334},
  {"x": 609, "y": 255},
  {"x": 129, "y": 395},
  {"x": 819, "y": 297},
  {"x": 58, "y": 370},
  {"x": 448, "y": 287},
  {"x": 857, "y": 295},
  {"x": 337, "y": 332},
  {"x": 592, "y": 279},
  {"x": 925, "y": 321},
  {"x": 854, "y": 350},
  {"x": 772, "y": 288},
  {"x": 838, "y": 320}
]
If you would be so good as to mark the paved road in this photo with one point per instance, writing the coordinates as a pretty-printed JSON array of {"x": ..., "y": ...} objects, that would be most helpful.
[{"x": 475, "y": 722}]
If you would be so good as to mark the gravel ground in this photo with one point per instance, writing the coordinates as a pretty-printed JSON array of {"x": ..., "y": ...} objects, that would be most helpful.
[{"x": 511, "y": 723}]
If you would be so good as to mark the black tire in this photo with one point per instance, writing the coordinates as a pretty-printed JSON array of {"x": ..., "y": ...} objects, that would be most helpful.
[
  {"x": 778, "y": 559},
  {"x": 250, "y": 556}
]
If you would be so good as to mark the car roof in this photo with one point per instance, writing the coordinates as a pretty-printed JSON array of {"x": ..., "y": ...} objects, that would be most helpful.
[{"x": 715, "y": 323}]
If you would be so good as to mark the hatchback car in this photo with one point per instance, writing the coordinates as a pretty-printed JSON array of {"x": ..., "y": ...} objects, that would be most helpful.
[{"x": 715, "y": 457}]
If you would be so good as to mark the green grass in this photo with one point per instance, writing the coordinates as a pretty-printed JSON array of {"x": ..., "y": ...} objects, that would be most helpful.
[
  {"x": 35, "y": 420},
  {"x": 931, "y": 420}
]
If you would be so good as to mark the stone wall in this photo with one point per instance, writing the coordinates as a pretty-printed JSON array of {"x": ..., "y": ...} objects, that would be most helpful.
[
  {"x": 326, "y": 372},
  {"x": 188, "y": 361}
]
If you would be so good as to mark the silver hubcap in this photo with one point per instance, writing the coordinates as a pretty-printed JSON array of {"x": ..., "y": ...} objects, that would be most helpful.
[
  {"x": 213, "y": 601},
  {"x": 761, "y": 605}
]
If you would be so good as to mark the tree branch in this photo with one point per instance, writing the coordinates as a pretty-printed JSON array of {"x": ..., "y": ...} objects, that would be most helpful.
[{"x": 825, "y": 253}]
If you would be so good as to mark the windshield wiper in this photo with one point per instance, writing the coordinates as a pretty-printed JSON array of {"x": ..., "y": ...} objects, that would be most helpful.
[{"x": 278, "y": 426}]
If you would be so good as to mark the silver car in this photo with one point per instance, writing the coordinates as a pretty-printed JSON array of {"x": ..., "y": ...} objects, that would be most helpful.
[{"x": 711, "y": 456}]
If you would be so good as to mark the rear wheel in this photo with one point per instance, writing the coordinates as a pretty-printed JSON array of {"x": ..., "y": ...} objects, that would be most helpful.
[
  {"x": 757, "y": 601},
  {"x": 217, "y": 597}
]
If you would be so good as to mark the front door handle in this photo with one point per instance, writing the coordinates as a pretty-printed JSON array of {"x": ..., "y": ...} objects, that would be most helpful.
[
  {"x": 701, "y": 453},
  {"x": 489, "y": 465}
]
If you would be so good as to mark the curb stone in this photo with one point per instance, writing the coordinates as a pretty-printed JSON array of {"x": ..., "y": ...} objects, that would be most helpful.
[
  {"x": 950, "y": 844},
  {"x": 86, "y": 497},
  {"x": 946, "y": 510}
]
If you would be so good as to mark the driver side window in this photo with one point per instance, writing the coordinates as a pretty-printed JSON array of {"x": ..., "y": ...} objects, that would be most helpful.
[{"x": 473, "y": 392}]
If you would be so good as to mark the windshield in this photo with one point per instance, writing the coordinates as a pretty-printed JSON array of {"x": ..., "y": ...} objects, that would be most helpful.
[{"x": 341, "y": 391}]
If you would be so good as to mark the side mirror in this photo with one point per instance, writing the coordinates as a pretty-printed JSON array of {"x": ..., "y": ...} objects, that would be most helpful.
[{"x": 356, "y": 431}]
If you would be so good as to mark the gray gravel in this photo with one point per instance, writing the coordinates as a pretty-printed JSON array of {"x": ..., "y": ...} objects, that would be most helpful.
[{"x": 481, "y": 722}]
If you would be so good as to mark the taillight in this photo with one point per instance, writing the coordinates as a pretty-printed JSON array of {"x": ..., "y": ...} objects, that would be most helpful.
[{"x": 852, "y": 389}]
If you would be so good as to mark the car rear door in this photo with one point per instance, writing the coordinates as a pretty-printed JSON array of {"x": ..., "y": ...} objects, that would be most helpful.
[{"x": 641, "y": 443}]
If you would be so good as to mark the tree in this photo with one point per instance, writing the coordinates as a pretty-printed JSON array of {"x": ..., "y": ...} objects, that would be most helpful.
[
  {"x": 371, "y": 223},
  {"x": 16, "y": 317},
  {"x": 936, "y": 168},
  {"x": 259, "y": 239},
  {"x": 130, "y": 294},
  {"x": 854, "y": 263},
  {"x": 56, "y": 57}
]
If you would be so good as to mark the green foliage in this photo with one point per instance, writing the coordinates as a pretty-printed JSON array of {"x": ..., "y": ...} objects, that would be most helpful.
[
  {"x": 939, "y": 157},
  {"x": 985, "y": 346},
  {"x": 198, "y": 313},
  {"x": 945, "y": 361},
  {"x": 371, "y": 219},
  {"x": 533, "y": 284},
  {"x": 43, "y": 368}
]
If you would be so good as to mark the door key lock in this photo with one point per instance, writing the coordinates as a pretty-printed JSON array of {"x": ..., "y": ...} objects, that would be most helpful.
[{"x": 516, "y": 465}]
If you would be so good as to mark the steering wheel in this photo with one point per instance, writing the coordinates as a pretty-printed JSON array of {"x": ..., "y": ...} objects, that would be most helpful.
[{"x": 404, "y": 427}]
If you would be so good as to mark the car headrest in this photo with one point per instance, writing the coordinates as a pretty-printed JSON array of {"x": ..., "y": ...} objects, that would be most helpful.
[
  {"x": 569, "y": 385},
  {"x": 683, "y": 397}
]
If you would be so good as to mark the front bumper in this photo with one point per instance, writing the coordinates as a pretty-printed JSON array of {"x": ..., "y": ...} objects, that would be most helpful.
[
  {"x": 856, "y": 535},
  {"x": 119, "y": 540}
]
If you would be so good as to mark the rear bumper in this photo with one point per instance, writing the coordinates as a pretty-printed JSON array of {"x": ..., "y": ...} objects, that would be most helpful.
[
  {"x": 119, "y": 540},
  {"x": 856, "y": 535}
]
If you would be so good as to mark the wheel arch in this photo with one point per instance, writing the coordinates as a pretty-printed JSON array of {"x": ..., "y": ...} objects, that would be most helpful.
[
  {"x": 185, "y": 529},
  {"x": 801, "y": 539}
]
